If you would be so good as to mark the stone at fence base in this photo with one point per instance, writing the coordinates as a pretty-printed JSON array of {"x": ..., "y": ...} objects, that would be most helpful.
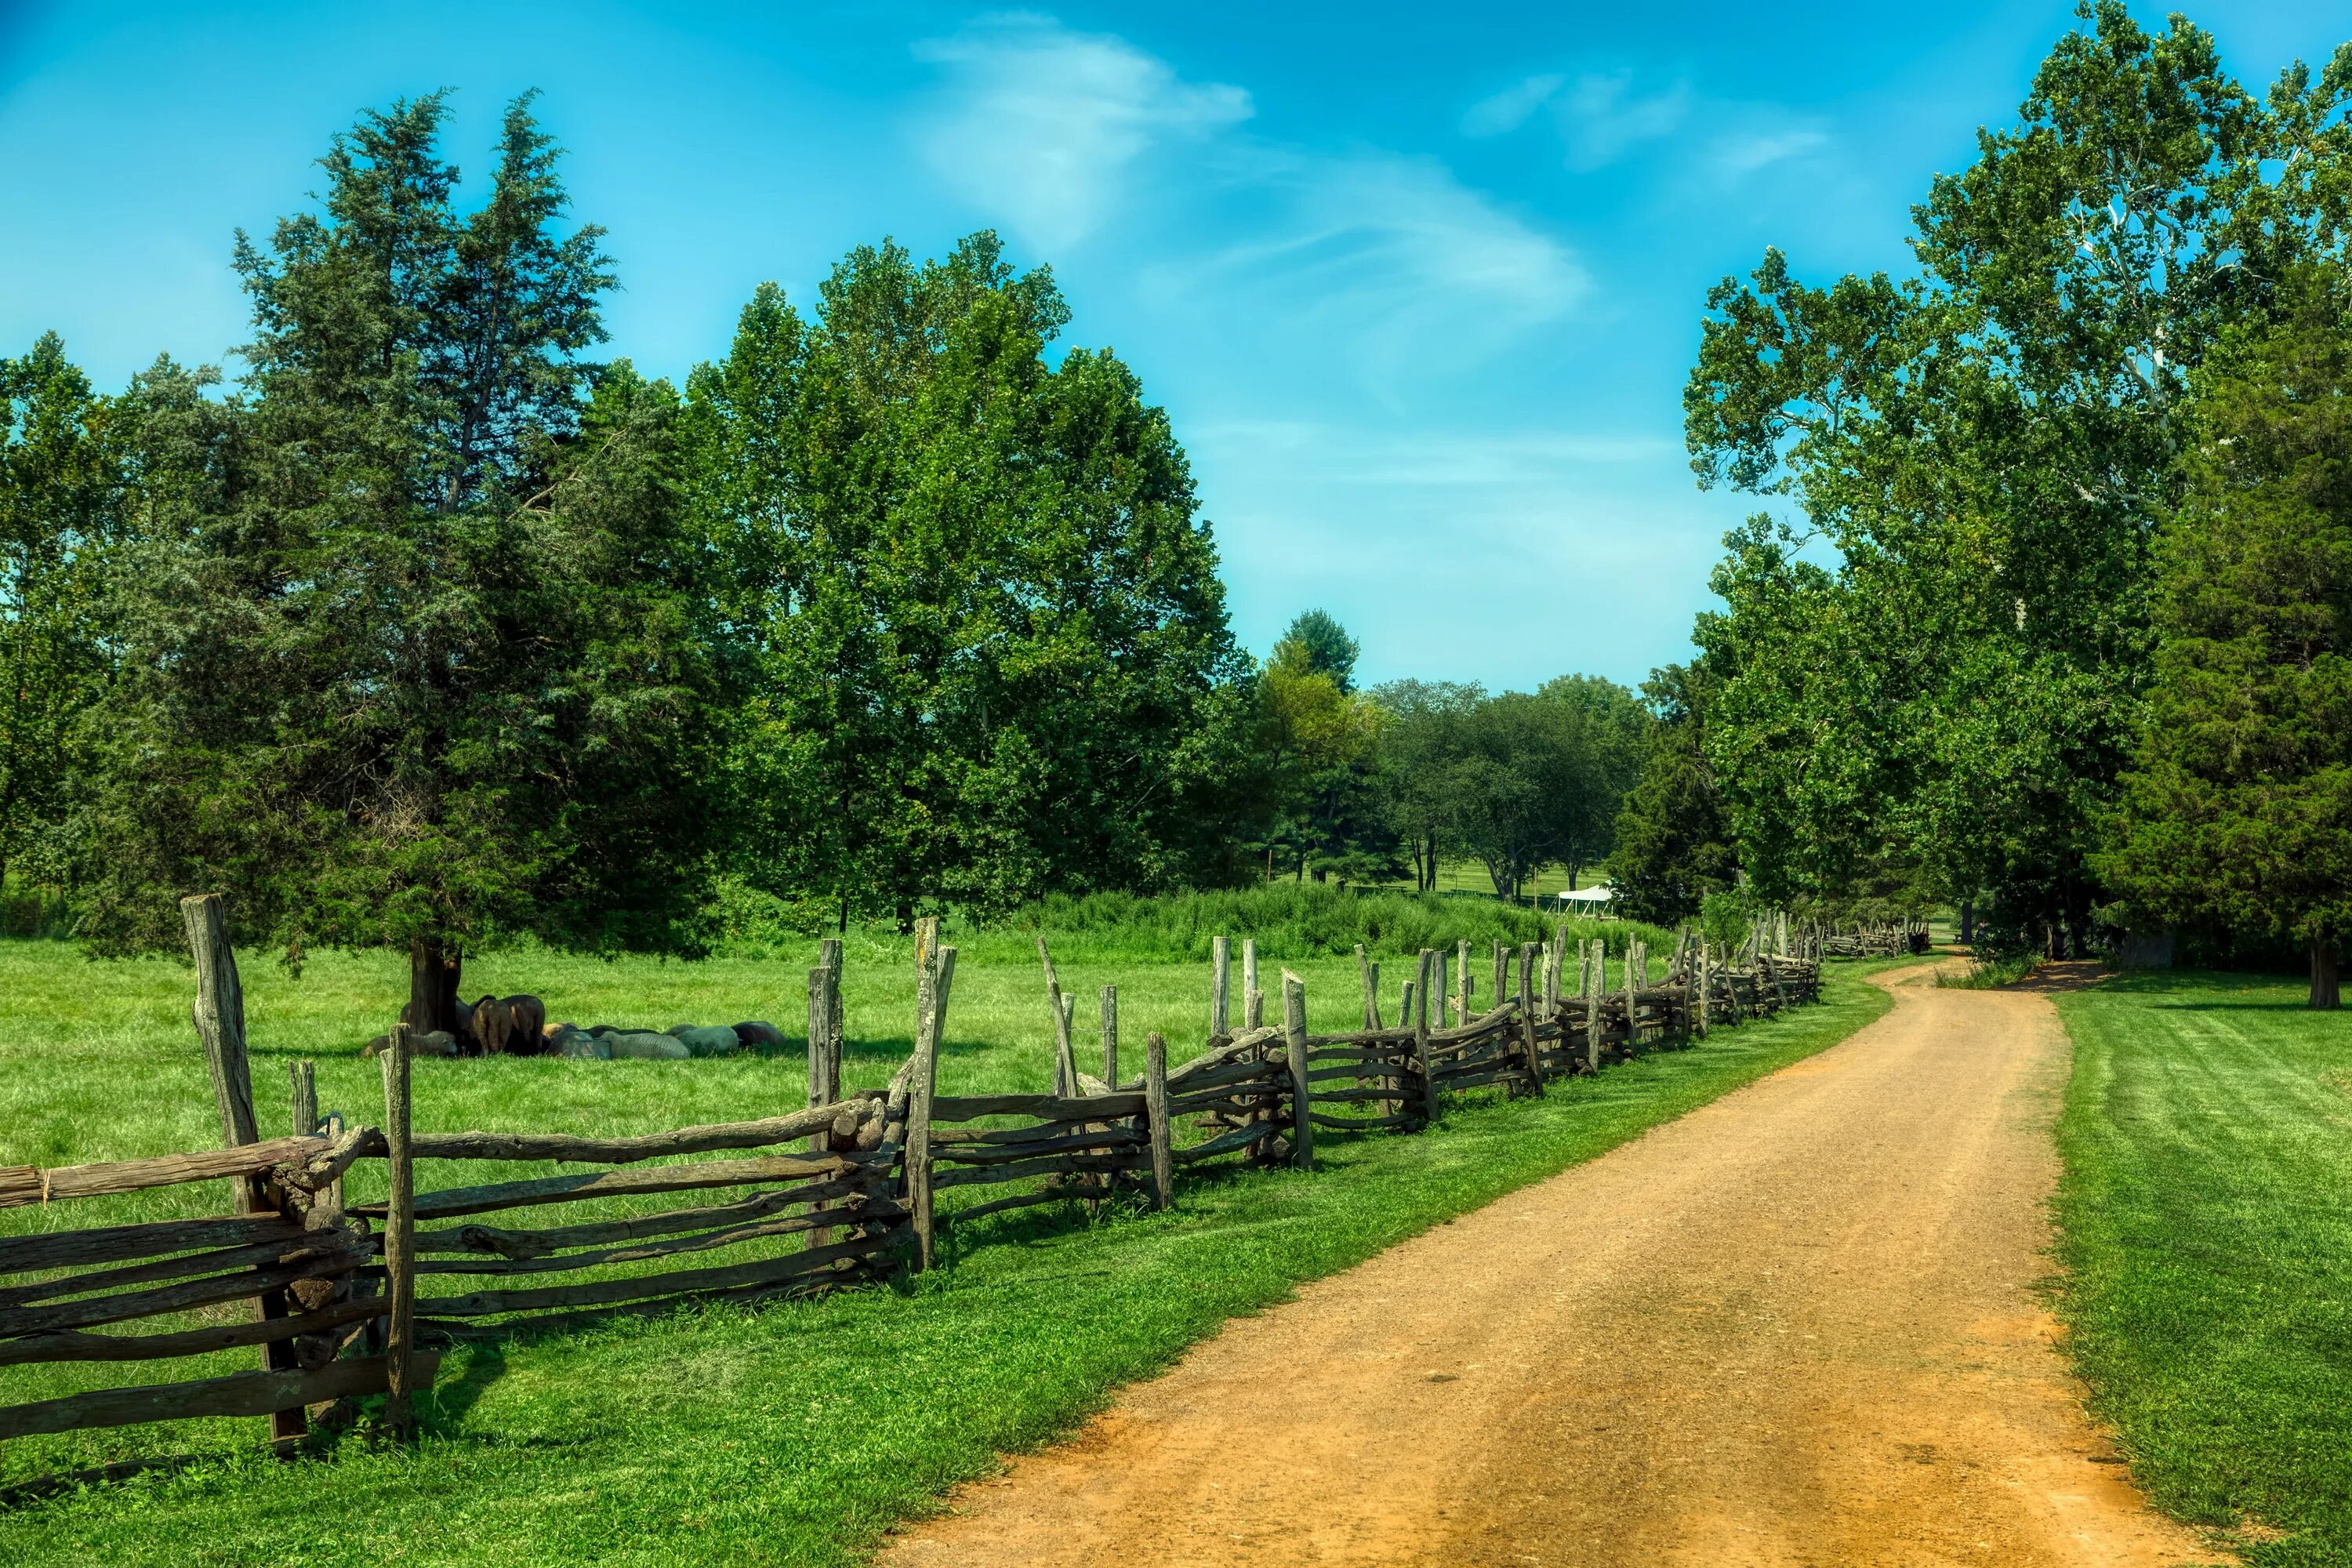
[
  {"x": 580, "y": 1046},
  {"x": 644, "y": 1045},
  {"x": 709, "y": 1039}
]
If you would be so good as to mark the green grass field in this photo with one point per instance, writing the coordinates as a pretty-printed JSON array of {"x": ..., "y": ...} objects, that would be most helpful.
[
  {"x": 791, "y": 1434},
  {"x": 2206, "y": 1235}
]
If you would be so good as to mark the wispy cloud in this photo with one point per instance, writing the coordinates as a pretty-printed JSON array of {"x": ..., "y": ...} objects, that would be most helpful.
[
  {"x": 1042, "y": 126},
  {"x": 1604, "y": 117},
  {"x": 1741, "y": 153},
  {"x": 1509, "y": 109},
  {"x": 1384, "y": 258}
]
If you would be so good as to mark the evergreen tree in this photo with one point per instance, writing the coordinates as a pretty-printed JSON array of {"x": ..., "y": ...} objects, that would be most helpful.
[
  {"x": 415, "y": 653},
  {"x": 1328, "y": 648},
  {"x": 2237, "y": 808},
  {"x": 60, "y": 518},
  {"x": 1673, "y": 843}
]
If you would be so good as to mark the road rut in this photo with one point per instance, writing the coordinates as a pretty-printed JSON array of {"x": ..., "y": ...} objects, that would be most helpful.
[{"x": 1798, "y": 1326}]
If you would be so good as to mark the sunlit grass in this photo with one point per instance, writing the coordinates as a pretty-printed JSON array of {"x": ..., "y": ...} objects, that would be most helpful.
[
  {"x": 794, "y": 1432},
  {"x": 2207, "y": 1297}
]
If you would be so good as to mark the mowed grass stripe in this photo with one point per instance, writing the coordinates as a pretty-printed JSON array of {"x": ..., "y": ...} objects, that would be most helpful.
[{"x": 2206, "y": 1218}]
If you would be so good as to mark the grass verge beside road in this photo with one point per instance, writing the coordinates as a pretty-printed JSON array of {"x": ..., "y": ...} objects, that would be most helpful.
[
  {"x": 798, "y": 1432},
  {"x": 2207, "y": 1237}
]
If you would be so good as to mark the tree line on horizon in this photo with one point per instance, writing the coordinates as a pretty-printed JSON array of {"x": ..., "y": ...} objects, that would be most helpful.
[{"x": 433, "y": 630}]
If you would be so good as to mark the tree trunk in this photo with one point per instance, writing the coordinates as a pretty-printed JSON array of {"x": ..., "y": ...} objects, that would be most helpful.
[
  {"x": 434, "y": 975},
  {"x": 1968, "y": 922},
  {"x": 1572, "y": 869},
  {"x": 2325, "y": 997}
]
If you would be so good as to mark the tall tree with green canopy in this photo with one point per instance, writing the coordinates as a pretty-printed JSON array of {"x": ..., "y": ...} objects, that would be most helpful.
[
  {"x": 1326, "y": 646},
  {"x": 1321, "y": 759},
  {"x": 1673, "y": 843},
  {"x": 1988, "y": 446},
  {"x": 416, "y": 653},
  {"x": 2237, "y": 809},
  {"x": 1420, "y": 740},
  {"x": 993, "y": 658},
  {"x": 60, "y": 518}
]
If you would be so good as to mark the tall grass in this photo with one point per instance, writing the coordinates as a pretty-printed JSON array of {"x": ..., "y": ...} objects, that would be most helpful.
[{"x": 1293, "y": 920}]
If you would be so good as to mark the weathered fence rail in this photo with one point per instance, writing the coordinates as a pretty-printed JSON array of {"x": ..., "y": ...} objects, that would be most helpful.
[{"x": 344, "y": 1301}]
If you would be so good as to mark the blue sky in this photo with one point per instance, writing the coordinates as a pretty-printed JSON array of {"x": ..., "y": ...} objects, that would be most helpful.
[{"x": 1418, "y": 284}]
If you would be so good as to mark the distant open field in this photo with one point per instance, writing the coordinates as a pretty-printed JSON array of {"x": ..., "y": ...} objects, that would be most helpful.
[{"x": 795, "y": 1433}]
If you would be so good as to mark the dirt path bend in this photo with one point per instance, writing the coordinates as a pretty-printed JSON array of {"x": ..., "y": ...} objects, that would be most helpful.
[{"x": 1795, "y": 1327}]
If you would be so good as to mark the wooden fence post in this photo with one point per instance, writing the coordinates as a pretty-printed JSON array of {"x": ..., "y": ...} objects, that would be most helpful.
[
  {"x": 1371, "y": 975},
  {"x": 1293, "y": 1040},
  {"x": 1462, "y": 968},
  {"x": 1110, "y": 1034},
  {"x": 1418, "y": 990},
  {"x": 302, "y": 1075},
  {"x": 1219, "y": 961},
  {"x": 1528, "y": 1019},
  {"x": 1155, "y": 1109},
  {"x": 1633, "y": 1003},
  {"x": 399, "y": 1237},
  {"x": 1253, "y": 999},
  {"x": 1596, "y": 981},
  {"x": 1439, "y": 997},
  {"x": 1066, "y": 1059},
  {"x": 219, "y": 1017},
  {"x": 1502, "y": 973},
  {"x": 1703, "y": 977},
  {"x": 923, "y": 1087}
]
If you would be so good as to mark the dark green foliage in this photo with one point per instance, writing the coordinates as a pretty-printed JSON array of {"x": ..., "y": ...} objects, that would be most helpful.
[
  {"x": 414, "y": 650},
  {"x": 1988, "y": 448},
  {"x": 992, "y": 642},
  {"x": 1329, "y": 650},
  {"x": 1673, "y": 843},
  {"x": 60, "y": 520},
  {"x": 2237, "y": 812},
  {"x": 1319, "y": 761}
]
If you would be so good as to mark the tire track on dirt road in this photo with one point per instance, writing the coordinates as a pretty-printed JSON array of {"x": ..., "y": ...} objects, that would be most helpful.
[{"x": 1797, "y": 1326}]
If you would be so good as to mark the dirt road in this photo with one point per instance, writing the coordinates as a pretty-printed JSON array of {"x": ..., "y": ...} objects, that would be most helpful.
[{"x": 1796, "y": 1327}]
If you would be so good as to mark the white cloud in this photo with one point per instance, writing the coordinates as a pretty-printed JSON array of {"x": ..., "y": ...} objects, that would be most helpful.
[
  {"x": 1380, "y": 259},
  {"x": 1509, "y": 109},
  {"x": 1603, "y": 118},
  {"x": 1042, "y": 127},
  {"x": 1738, "y": 155}
]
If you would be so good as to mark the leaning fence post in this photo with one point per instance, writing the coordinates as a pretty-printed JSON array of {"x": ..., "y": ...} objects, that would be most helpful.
[
  {"x": 1528, "y": 1019},
  {"x": 1461, "y": 963},
  {"x": 1220, "y": 961},
  {"x": 1253, "y": 999},
  {"x": 1596, "y": 970},
  {"x": 1155, "y": 1113},
  {"x": 1293, "y": 1039},
  {"x": 399, "y": 1237},
  {"x": 219, "y": 1016},
  {"x": 1420, "y": 990},
  {"x": 1371, "y": 975},
  {"x": 923, "y": 1084},
  {"x": 1502, "y": 973},
  {"x": 1701, "y": 970},
  {"x": 1110, "y": 1034}
]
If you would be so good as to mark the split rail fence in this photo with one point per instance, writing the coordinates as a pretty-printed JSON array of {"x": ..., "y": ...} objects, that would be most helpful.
[{"x": 347, "y": 1299}]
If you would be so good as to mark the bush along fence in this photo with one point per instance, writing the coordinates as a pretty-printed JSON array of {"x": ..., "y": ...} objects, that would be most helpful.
[{"x": 347, "y": 1301}]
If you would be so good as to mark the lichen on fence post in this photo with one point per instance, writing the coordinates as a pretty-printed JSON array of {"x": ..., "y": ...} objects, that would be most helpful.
[{"x": 399, "y": 1237}]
